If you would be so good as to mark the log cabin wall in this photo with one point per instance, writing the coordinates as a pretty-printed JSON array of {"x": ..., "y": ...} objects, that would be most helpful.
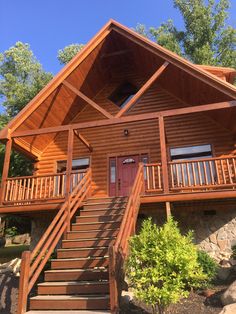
[{"x": 143, "y": 136}]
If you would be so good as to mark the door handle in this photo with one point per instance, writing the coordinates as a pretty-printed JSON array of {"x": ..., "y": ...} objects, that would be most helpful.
[{"x": 118, "y": 184}]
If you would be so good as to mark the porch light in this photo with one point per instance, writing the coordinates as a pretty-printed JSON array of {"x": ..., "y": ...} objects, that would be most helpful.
[{"x": 126, "y": 132}]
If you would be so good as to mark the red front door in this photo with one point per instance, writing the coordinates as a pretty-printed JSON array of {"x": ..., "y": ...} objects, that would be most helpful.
[{"x": 127, "y": 168}]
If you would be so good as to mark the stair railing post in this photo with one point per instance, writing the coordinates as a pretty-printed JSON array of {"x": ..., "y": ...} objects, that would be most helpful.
[
  {"x": 24, "y": 283},
  {"x": 68, "y": 173}
]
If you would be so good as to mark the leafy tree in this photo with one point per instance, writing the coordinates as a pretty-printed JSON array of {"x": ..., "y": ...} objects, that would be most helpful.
[
  {"x": 163, "y": 265},
  {"x": 21, "y": 78},
  {"x": 66, "y": 54},
  {"x": 205, "y": 40}
]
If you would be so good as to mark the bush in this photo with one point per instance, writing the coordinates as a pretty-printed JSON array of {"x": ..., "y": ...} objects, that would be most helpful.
[
  {"x": 11, "y": 232},
  {"x": 162, "y": 265},
  {"x": 209, "y": 266}
]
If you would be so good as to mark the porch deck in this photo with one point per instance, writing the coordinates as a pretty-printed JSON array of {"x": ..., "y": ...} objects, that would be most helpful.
[{"x": 210, "y": 178}]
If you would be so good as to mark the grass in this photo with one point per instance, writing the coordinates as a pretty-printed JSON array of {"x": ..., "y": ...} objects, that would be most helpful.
[{"x": 10, "y": 252}]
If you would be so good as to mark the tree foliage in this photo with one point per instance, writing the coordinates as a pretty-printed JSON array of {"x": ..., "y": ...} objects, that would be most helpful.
[
  {"x": 205, "y": 39},
  {"x": 163, "y": 265},
  {"x": 66, "y": 54},
  {"x": 21, "y": 78}
]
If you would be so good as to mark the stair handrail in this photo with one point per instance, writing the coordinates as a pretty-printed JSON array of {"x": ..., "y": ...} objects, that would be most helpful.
[
  {"x": 118, "y": 251},
  {"x": 32, "y": 263}
]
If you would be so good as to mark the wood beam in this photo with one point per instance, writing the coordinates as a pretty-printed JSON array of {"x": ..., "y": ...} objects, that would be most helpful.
[
  {"x": 88, "y": 100},
  {"x": 127, "y": 119},
  {"x": 83, "y": 140},
  {"x": 142, "y": 90},
  {"x": 6, "y": 166},
  {"x": 168, "y": 210},
  {"x": 164, "y": 164}
]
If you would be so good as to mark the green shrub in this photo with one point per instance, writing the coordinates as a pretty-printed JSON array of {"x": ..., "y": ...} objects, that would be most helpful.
[
  {"x": 234, "y": 251},
  {"x": 162, "y": 265},
  {"x": 209, "y": 266},
  {"x": 11, "y": 232}
]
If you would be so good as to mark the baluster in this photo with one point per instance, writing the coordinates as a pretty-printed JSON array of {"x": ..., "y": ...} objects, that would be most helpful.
[
  {"x": 217, "y": 172},
  {"x": 32, "y": 189},
  {"x": 182, "y": 174},
  {"x": 234, "y": 167},
  {"x": 41, "y": 187},
  {"x": 24, "y": 189},
  {"x": 63, "y": 185},
  {"x": 194, "y": 174},
  {"x": 159, "y": 176},
  {"x": 15, "y": 190},
  {"x": 148, "y": 179},
  {"x": 199, "y": 172},
  {"x": 54, "y": 186},
  {"x": 177, "y": 174},
  {"x": 50, "y": 187},
  {"x": 11, "y": 190},
  {"x": 36, "y": 188},
  {"x": 211, "y": 173},
  {"x": 6, "y": 198},
  {"x": 45, "y": 187},
  {"x": 229, "y": 171},
  {"x": 223, "y": 171},
  {"x": 205, "y": 173},
  {"x": 172, "y": 175},
  {"x": 153, "y": 177},
  {"x": 188, "y": 175},
  {"x": 20, "y": 190}
]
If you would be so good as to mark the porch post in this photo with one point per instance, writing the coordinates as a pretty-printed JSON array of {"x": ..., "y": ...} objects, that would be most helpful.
[
  {"x": 168, "y": 210},
  {"x": 163, "y": 155},
  {"x": 68, "y": 170},
  {"x": 5, "y": 170}
]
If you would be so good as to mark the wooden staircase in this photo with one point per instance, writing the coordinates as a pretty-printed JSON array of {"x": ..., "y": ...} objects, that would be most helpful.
[{"x": 78, "y": 280}]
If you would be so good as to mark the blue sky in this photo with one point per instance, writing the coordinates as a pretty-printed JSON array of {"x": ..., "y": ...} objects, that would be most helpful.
[{"x": 49, "y": 25}]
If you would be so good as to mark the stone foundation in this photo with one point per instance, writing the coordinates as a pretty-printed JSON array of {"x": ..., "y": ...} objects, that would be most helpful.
[
  {"x": 39, "y": 225},
  {"x": 214, "y": 227}
]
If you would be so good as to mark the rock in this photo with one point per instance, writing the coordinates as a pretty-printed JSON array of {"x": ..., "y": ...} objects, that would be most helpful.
[
  {"x": 224, "y": 273},
  {"x": 229, "y": 296},
  {"x": 13, "y": 266},
  {"x": 229, "y": 309},
  {"x": 21, "y": 239}
]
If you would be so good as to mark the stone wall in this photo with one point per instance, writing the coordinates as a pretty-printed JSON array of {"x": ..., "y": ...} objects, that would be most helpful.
[
  {"x": 214, "y": 225},
  {"x": 39, "y": 224}
]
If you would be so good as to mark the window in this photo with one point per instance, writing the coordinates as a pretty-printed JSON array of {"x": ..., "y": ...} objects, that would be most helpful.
[
  {"x": 196, "y": 172},
  {"x": 77, "y": 164},
  {"x": 123, "y": 94},
  {"x": 191, "y": 152}
]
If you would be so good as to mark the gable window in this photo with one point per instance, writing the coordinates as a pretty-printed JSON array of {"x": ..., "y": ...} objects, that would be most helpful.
[
  {"x": 122, "y": 95},
  {"x": 194, "y": 173}
]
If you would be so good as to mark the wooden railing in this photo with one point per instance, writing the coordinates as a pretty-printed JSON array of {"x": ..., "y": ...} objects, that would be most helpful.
[
  {"x": 203, "y": 173},
  {"x": 199, "y": 174},
  {"x": 33, "y": 188},
  {"x": 118, "y": 250},
  {"x": 153, "y": 177},
  {"x": 33, "y": 262}
]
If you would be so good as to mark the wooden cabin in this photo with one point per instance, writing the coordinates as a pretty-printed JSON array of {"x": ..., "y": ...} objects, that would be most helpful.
[{"x": 127, "y": 129}]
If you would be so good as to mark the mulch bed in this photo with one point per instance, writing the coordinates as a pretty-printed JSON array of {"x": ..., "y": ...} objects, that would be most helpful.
[{"x": 196, "y": 303}]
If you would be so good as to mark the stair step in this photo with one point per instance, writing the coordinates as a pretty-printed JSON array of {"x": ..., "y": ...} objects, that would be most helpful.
[
  {"x": 80, "y": 243},
  {"x": 108, "y": 232},
  {"x": 105, "y": 199},
  {"x": 98, "y": 218},
  {"x": 95, "y": 226},
  {"x": 82, "y": 252},
  {"x": 73, "y": 287},
  {"x": 76, "y": 274},
  {"x": 105, "y": 205},
  {"x": 66, "y": 312},
  {"x": 101, "y": 211},
  {"x": 89, "y": 262},
  {"x": 89, "y": 302}
]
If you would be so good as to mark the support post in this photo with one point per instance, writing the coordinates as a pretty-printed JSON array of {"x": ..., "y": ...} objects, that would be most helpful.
[
  {"x": 5, "y": 170},
  {"x": 68, "y": 172},
  {"x": 164, "y": 164},
  {"x": 24, "y": 283},
  {"x": 168, "y": 210}
]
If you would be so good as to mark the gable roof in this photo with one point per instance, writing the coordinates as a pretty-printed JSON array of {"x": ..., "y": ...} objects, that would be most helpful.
[{"x": 194, "y": 70}]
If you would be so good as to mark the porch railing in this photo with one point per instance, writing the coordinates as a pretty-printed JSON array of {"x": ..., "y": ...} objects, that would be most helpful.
[
  {"x": 32, "y": 188},
  {"x": 118, "y": 251},
  {"x": 33, "y": 262},
  {"x": 197, "y": 174}
]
